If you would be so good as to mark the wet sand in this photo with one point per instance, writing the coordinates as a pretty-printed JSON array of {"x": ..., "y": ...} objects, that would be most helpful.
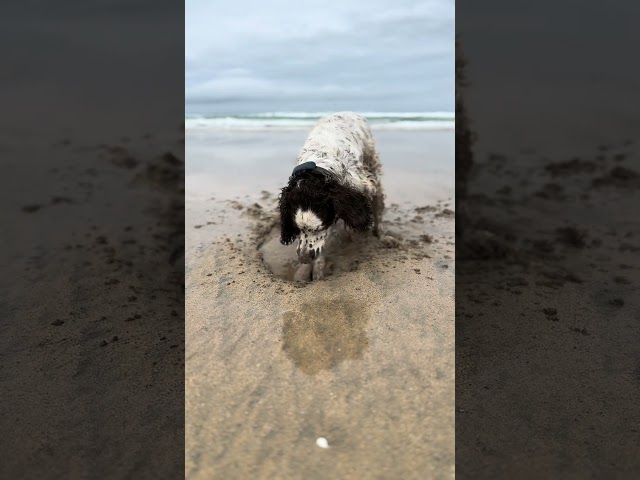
[
  {"x": 364, "y": 359},
  {"x": 547, "y": 285},
  {"x": 92, "y": 331}
]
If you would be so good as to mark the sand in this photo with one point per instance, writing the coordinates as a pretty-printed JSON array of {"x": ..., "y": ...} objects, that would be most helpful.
[
  {"x": 92, "y": 308},
  {"x": 363, "y": 359},
  {"x": 547, "y": 338}
]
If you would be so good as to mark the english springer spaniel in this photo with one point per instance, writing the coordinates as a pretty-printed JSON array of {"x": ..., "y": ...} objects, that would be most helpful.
[{"x": 337, "y": 177}]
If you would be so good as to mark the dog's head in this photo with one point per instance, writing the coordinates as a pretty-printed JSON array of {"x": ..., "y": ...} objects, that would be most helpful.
[{"x": 311, "y": 203}]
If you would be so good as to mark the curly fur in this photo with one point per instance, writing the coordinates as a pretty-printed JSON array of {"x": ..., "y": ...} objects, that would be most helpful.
[{"x": 346, "y": 187}]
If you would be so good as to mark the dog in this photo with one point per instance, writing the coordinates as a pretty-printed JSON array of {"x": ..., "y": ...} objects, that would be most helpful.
[{"x": 337, "y": 176}]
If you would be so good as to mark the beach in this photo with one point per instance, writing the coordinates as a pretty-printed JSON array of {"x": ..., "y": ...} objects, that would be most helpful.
[
  {"x": 91, "y": 342},
  {"x": 546, "y": 314},
  {"x": 363, "y": 359}
]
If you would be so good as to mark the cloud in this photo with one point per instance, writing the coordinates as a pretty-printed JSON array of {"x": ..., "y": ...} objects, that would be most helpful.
[
  {"x": 225, "y": 88},
  {"x": 330, "y": 50}
]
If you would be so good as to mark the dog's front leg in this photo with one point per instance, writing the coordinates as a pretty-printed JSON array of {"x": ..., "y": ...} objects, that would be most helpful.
[
  {"x": 303, "y": 273},
  {"x": 318, "y": 268}
]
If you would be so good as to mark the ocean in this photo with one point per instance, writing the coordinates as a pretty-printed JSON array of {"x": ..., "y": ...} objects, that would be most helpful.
[{"x": 295, "y": 120}]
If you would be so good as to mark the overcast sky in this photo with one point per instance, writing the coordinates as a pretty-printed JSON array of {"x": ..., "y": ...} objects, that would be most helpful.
[{"x": 292, "y": 55}]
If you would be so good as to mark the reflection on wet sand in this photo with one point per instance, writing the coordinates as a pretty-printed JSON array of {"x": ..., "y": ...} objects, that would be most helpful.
[{"x": 321, "y": 334}]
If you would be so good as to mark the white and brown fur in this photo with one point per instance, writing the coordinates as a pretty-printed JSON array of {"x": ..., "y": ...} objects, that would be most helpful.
[{"x": 346, "y": 186}]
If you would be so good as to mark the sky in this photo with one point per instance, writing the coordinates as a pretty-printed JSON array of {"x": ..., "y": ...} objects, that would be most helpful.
[{"x": 251, "y": 56}]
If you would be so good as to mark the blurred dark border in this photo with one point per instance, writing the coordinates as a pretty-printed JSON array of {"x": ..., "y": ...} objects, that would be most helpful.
[
  {"x": 547, "y": 266},
  {"x": 92, "y": 330}
]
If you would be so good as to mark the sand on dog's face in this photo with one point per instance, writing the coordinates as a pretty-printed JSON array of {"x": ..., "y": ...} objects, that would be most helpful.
[{"x": 312, "y": 238}]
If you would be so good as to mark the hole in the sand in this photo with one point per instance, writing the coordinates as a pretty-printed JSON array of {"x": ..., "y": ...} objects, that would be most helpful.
[
  {"x": 324, "y": 333},
  {"x": 342, "y": 252}
]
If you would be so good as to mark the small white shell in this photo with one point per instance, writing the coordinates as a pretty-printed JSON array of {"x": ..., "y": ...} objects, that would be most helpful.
[{"x": 322, "y": 442}]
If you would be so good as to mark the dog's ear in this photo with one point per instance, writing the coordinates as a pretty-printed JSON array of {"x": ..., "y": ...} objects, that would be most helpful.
[
  {"x": 288, "y": 228},
  {"x": 353, "y": 207}
]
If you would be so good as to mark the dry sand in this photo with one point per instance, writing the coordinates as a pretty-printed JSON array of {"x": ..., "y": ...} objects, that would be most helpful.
[{"x": 364, "y": 359}]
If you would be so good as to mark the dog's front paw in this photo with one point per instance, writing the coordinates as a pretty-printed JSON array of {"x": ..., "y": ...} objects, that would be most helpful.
[
  {"x": 303, "y": 273},
  {"x": 390, "y": 242},
  {"x": 318, "y": 274},
  {"x": 318, "y": 269}
]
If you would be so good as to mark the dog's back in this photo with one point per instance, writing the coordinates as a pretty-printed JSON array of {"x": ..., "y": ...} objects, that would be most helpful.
[{"x": 343, "y": 144}]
